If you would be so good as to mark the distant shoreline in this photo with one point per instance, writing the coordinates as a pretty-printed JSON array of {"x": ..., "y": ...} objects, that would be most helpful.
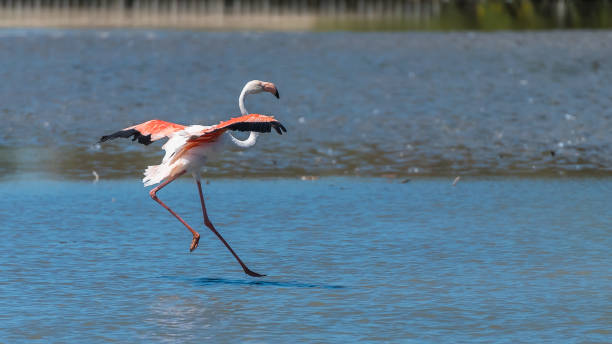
[
  {"x": 297, "y": 15},
  {"x": 121, "y": 19}
]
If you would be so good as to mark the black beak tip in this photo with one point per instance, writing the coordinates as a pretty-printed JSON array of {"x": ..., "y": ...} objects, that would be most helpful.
[{"x": 277, "y": 95}]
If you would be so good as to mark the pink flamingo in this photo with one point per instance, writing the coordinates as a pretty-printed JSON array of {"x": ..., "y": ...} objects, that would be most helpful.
[{"x": 189, "y": 147}]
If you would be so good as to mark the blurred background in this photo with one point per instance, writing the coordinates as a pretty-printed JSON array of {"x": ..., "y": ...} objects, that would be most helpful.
[{"x": 310, "y": 14}]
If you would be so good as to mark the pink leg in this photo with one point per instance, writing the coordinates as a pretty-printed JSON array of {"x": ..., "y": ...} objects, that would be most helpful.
[
  {"x": 153, "y": 193},
  {"x": 212, "y": 228}
]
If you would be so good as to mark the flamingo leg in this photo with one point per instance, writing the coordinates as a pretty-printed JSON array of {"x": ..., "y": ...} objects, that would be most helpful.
[
  {"x": 212, "y": 228},
  {"x": 153, "y": 193}
]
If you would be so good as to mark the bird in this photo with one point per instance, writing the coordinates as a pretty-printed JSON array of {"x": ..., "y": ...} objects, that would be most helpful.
[{"x": 189, "y": 147}]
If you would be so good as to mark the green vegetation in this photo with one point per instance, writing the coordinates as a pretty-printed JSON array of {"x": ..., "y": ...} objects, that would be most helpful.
[{"x": 482, "y": 15}]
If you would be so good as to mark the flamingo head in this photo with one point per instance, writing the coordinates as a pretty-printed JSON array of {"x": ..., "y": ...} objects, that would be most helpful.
[{"x": 256, "y": 86}]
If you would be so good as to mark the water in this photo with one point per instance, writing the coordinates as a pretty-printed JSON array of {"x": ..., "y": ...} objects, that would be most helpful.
[
  {"x": 379, "y": 247},
  {"x": 359, "y": 104},
  {"x": 347, "y": 259}
]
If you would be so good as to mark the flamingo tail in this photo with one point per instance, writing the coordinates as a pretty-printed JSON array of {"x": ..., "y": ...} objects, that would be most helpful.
[{"x": 156, "y": 173}]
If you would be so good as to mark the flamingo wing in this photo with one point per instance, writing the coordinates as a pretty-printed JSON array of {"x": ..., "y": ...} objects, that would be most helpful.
[
  {"x": 252, "y": 122},
  {"x": 146, "y": 132}
]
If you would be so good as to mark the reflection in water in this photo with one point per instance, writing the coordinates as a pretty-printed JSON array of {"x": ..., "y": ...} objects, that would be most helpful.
[
  {"x": 179, "y": 318},
  {"x": 212, "y": 281},
  {"x": 205, "y": 281}
]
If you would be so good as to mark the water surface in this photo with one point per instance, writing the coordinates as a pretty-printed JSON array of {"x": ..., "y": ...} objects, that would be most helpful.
[
  {"x": 363, "y": 104},
  {"x": 347, "y": 259}
]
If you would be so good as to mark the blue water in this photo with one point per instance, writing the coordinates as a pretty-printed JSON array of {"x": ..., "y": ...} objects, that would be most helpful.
[
  {"x": 347, "y": 259},
  {"x": 359, "y": 104}
]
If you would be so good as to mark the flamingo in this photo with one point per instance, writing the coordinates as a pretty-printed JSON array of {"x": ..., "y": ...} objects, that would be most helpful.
[{"x": 189, "y": 147}]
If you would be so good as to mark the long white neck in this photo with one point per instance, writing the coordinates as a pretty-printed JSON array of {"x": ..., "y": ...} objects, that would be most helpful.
[
  {"x": 249, "y": 142},
  {"x": 252, "y": 139},
  {"x": 243, "y": 94}
]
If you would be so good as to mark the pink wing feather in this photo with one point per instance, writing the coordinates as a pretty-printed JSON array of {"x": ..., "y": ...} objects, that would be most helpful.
[{"x": 147, "y": 132}]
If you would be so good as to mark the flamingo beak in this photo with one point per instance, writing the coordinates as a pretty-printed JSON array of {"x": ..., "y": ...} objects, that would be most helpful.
[{"x": 270, "y": 87}]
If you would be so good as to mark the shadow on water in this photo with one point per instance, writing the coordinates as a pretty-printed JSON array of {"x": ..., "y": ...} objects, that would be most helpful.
[{"x": 208, "y": 281}]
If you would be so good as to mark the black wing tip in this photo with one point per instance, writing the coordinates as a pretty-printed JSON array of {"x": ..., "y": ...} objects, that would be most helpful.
[
  {"x": 279, "y": 127},
  {"x": 277, "y": 95},
  {"x": 144, "y": 139},
  {"x": 261, "y": 127}
]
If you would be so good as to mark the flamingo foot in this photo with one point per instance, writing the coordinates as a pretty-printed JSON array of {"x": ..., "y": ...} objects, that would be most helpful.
[
  {"x": 251, "y": 273},
  {"x": 194, "y": 242}
]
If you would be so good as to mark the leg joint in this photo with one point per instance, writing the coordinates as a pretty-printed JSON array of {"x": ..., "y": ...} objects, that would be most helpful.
[{"x": 208, "y": 223}]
